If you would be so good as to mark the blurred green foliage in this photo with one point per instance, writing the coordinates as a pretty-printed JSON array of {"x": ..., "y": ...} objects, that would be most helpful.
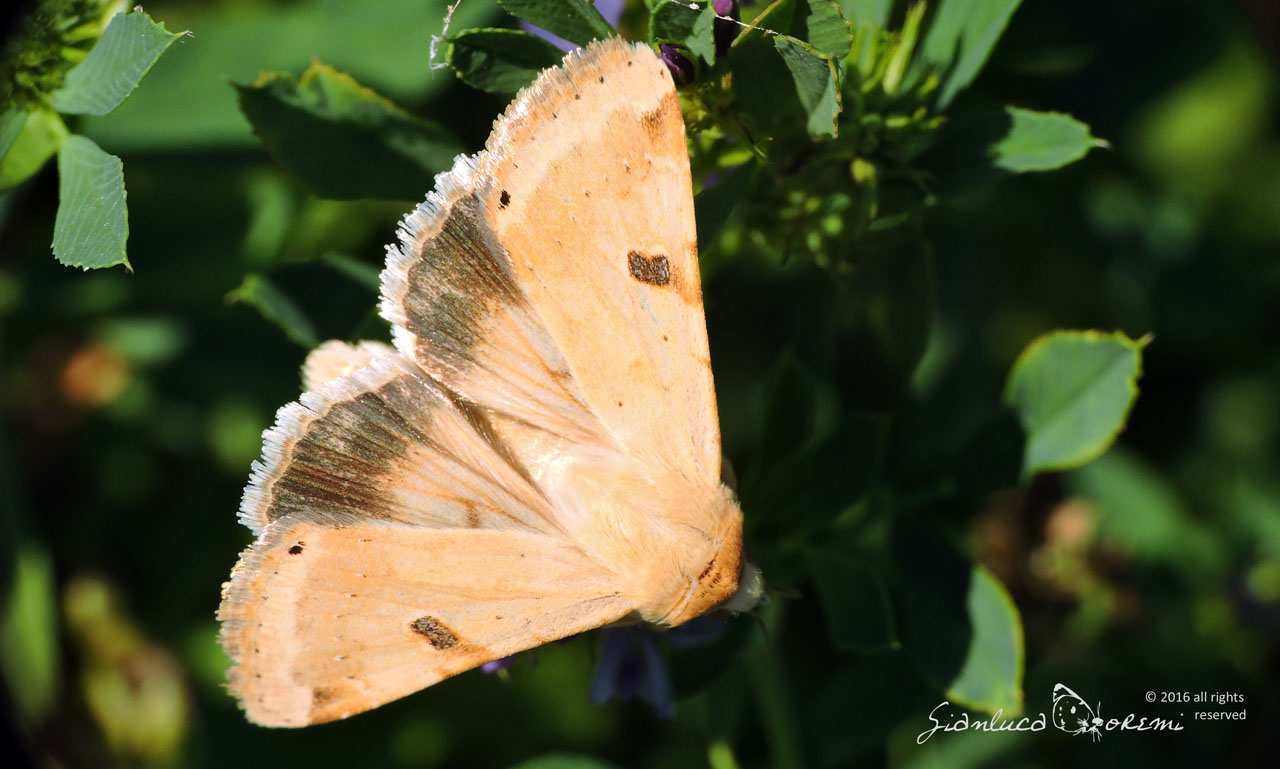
[{"x": 876, "y": 271}]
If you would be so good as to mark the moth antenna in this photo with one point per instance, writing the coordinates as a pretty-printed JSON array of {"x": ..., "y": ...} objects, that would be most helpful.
[
  {"x": 764, "y": 629},
  {"x": 782, "y": 592}
]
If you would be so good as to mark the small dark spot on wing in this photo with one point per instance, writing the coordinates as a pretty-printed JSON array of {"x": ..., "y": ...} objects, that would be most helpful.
[
  {"x": 504, "y": 199},
  {"x": 320, "y": 695},
  {"x": 435, "y": 631},
  {"x": 296, "y": 549},
  {"x": 654, "y": 270}
]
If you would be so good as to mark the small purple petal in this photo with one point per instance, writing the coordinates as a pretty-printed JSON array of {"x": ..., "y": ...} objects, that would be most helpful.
[
  {"x": 611, "y": 10},
  {"x": 489, "y": 668},
  {"x": 725, "y": 7},
  {"x": 680, "y": 66}
]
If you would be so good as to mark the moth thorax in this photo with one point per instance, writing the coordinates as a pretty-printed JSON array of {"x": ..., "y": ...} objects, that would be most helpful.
[{"x": 711, "y": 571}]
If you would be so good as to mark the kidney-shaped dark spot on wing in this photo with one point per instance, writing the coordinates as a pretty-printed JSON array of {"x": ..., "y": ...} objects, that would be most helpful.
[
  {"x": 435, "y": 631},
  {"x": 654, "y": 270}
]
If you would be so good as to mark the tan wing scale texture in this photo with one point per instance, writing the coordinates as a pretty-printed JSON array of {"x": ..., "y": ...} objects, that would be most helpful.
[
  {"x": 579, "y": 222},
  {"x": 324, "y": 623}
]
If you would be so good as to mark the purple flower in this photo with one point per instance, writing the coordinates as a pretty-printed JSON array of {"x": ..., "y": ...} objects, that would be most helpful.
[
  {"x": 630, "y": 663},
  {"x": 680, "y": 66},
  {"x": 725, "y": 28},
  {"x": 611, "y": 10}
]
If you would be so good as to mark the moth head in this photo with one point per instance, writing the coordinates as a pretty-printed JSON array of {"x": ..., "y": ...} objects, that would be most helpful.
[{"x": 728, "y": 582}]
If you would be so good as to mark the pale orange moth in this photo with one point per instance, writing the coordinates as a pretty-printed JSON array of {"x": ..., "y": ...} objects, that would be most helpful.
[{"x": 539, "y": 454}]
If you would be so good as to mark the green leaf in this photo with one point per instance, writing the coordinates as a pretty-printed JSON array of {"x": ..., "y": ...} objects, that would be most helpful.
[
  {"x": 93, "y": 223},
  {"x": 1141, "y": 513},
  {"x": 33, "y": 138},
  {"x": 990, "y": 145},
  {"x": 713, "y": 205},
  {"x": 962, "y": 628},
  {"x": 29, "y": 646},
  {"x": 813, "y": 485},
  {"x": 362, "y": 273},
  {"x": 854, "y": 601},
  {"x": 564, "y": 761},
  {"x": 867, "y": 13},
  {"x": 11, "y": 123},
  {"x": 128, "y": 47},
  {"x": 790, "y": 405},
  {"x": 891, "y": 313},
  {"x": 1041, "y": 141},
  {"x": 1073, "y": 391},
  {"x": 675, "y": 22},
  {"x": 817, "y": 84},
  {"x": 961, "y": 37},
  {"x": 776, "y": 17},
  {"x": 575, "y": 20},
  {"x": 500, "y": 60},
  {"x": 763, "y": 89},
  {"x": 342, "y": 139},
  {"x": 889, "y": 690},
  {"x": 276, "y": 306},
  {"x": 819, "y": 23},
  {"x": 827, "y": 30}
]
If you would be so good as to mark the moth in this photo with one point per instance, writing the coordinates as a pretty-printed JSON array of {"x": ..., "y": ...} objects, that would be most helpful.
[
  {"x": 538, "y": 455},
  {"x": 1073, "y": 715}
]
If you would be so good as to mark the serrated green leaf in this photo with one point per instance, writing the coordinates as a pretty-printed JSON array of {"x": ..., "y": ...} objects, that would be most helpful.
[
  {"x": 676, "y": 22},
  {"x": 820, "y": 23},
  {"x": 776, "y": 17},
  {"x": 854, "y": 601},
  {"x": 1041, "y": 141},
  {"x": 817, "y": 84},
  {"x": 128, "y": 47},
  {"x": 764, "y": 92},
  {"x": 827, "y": 30},
  {"x": 564, "y": 761},
  {"x": 1073, "y": 391},
  {"x": 342, "y": 139},
  {"x": 500, "y": 60},
  {"x": 574, "y": 20},
  {"x": 39, "y": 135},
  {"x": 93, "y": 223},
  {"x": 962, "y": 628},
  {"x": 961, "y": 36},
  {"x": 276, "y": 306}
]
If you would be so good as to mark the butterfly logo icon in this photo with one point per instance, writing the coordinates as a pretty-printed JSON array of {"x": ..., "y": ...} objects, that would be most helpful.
[{"x": 1073, "y": 715}]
